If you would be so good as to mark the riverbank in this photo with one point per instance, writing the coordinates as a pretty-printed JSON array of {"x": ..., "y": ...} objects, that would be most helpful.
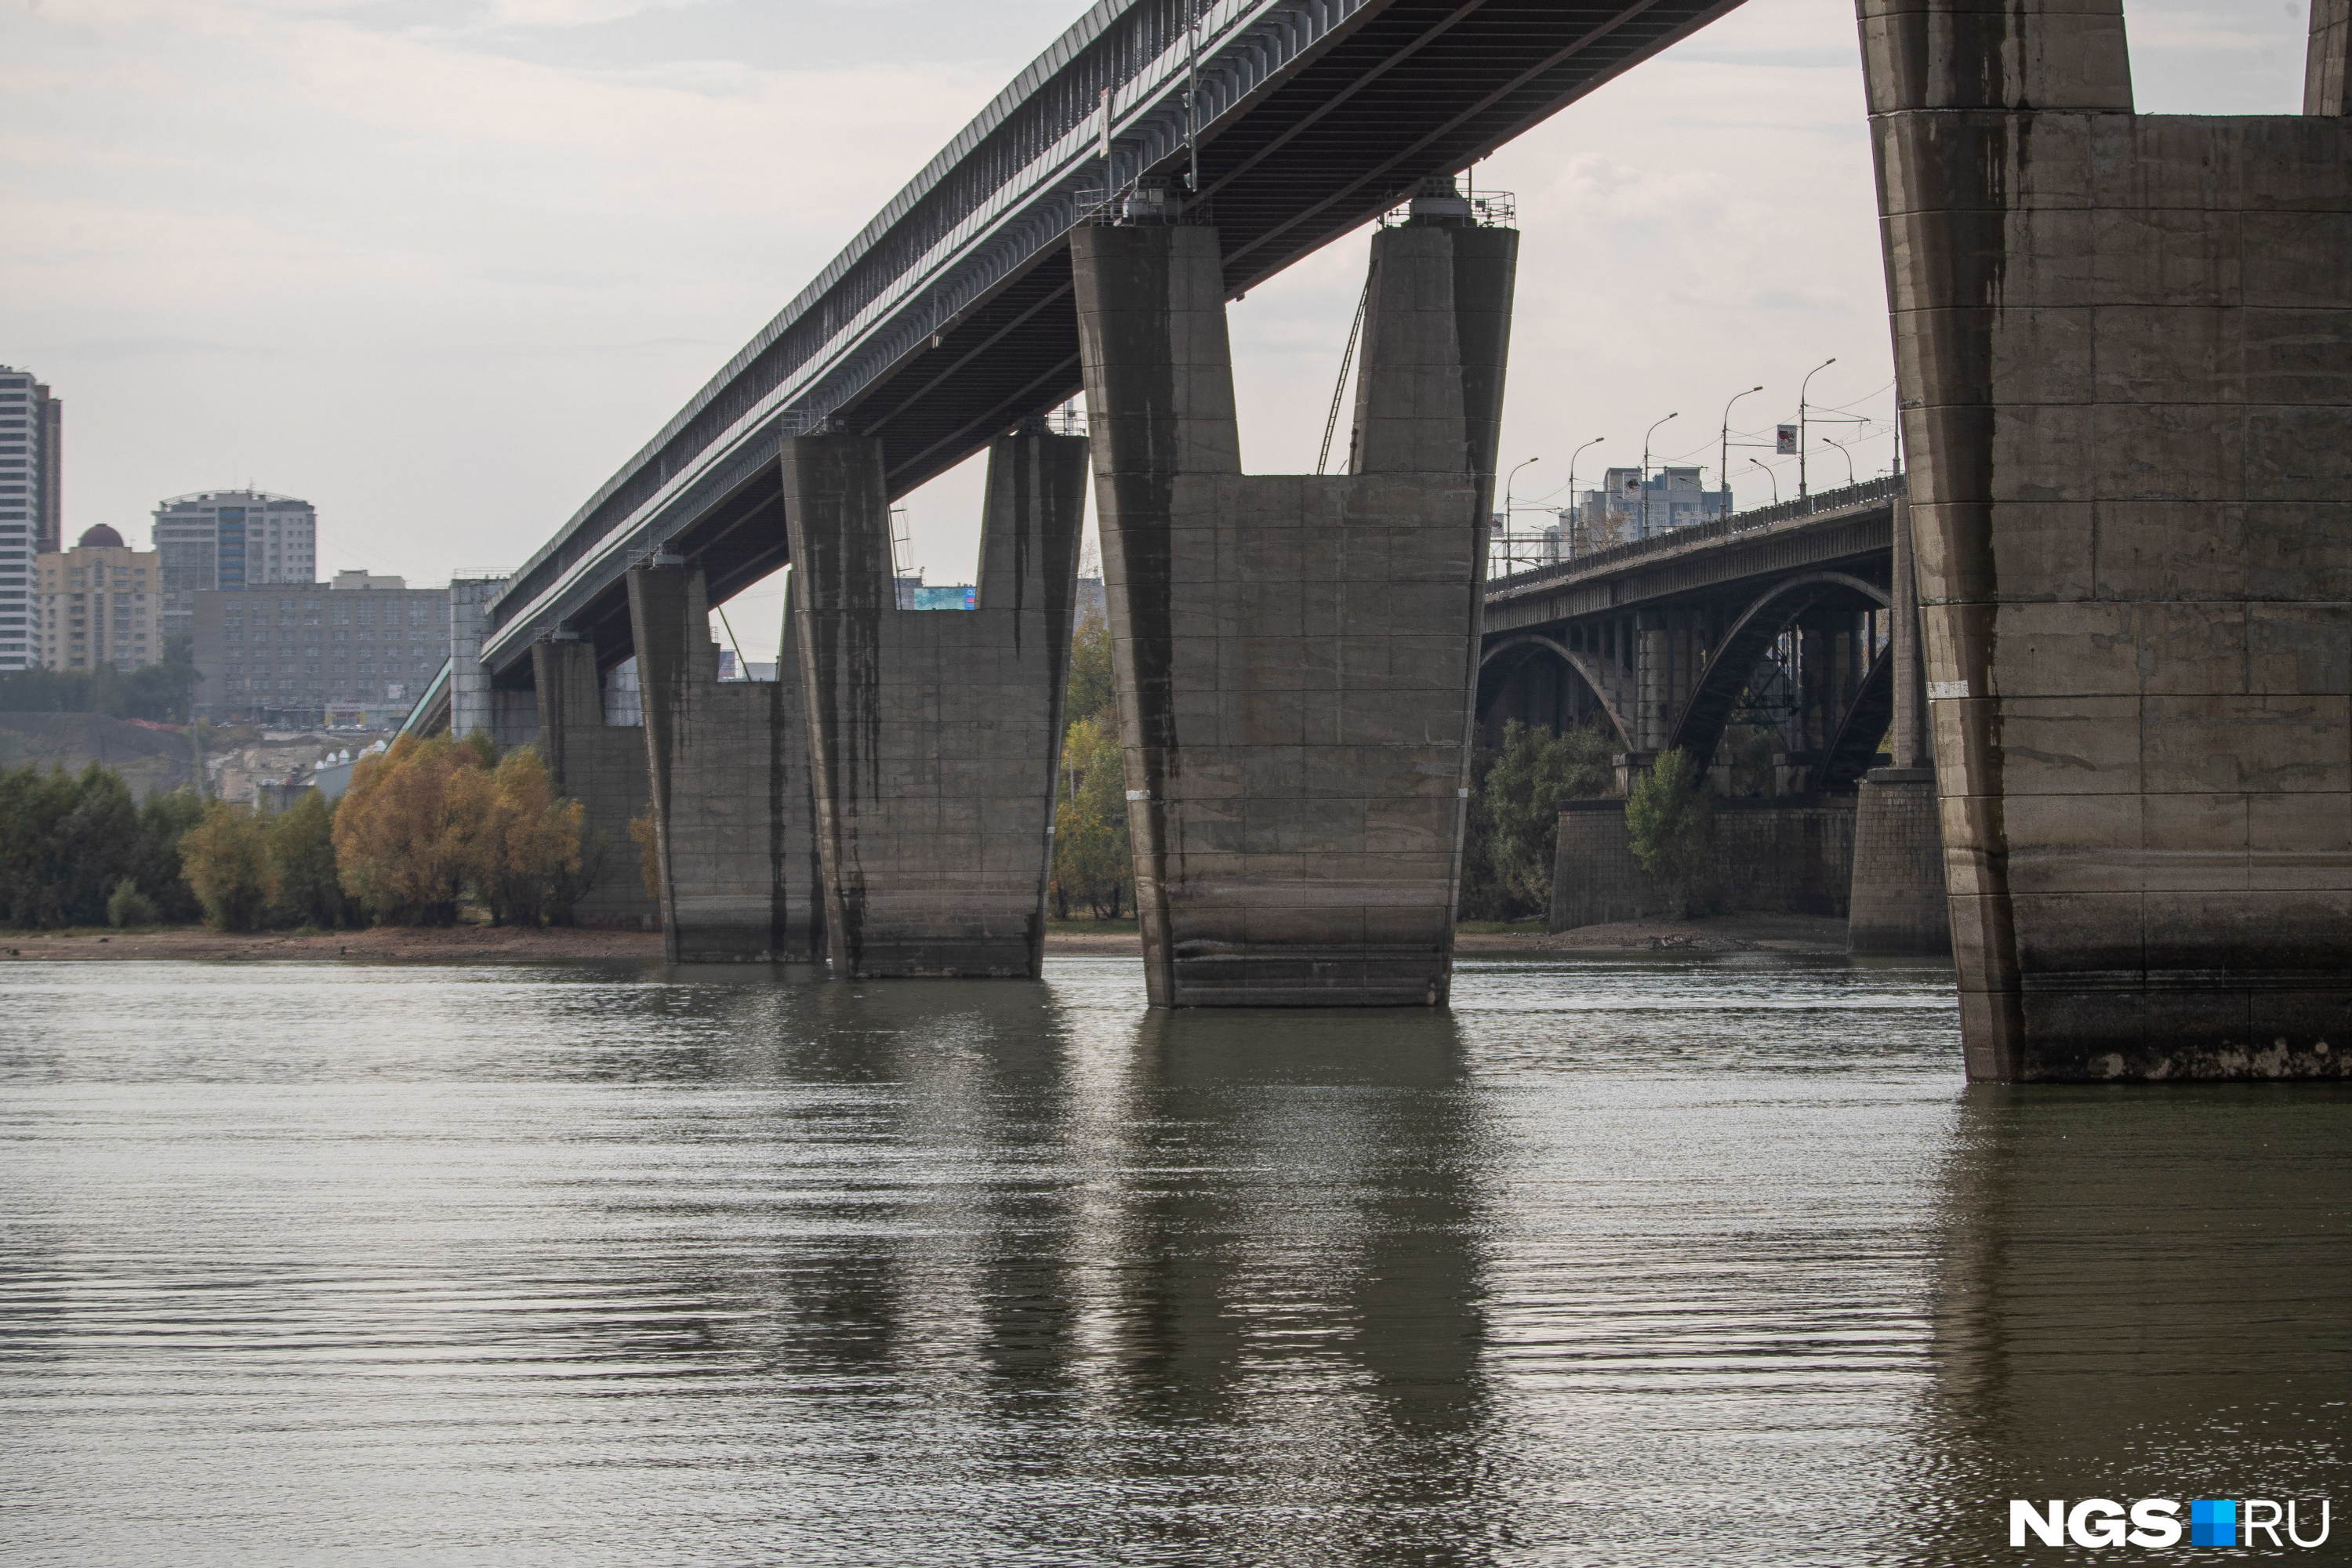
[{"x": 510, "y": 944}]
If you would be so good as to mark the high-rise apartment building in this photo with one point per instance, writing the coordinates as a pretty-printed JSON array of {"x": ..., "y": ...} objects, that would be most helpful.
[
  {"x": 32, "y": 493},
  {"x": 227, "y": 541},
  {"x": 97, "y": 604}
]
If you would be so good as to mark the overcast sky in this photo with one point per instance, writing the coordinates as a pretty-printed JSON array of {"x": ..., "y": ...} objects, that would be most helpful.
[{"x": 440, "y": 265}]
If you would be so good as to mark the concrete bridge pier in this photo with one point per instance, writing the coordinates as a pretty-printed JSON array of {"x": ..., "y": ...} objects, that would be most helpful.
[
  {"x": 935, "y": 736},
  {"x": 2124, "y": 352},
  {"x": 1898, "y": 903},
  {"x": 1296, "y": 655},
  {"x": 733, "y": 840},
  {"x": 602, "y": 766}
]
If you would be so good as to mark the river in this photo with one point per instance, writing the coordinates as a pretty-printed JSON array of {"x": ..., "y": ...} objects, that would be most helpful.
[{"x": 1640, "y": 1260}]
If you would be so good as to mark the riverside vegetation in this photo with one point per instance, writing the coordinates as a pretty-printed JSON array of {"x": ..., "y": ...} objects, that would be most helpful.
[{"x": 426, "y": 831}]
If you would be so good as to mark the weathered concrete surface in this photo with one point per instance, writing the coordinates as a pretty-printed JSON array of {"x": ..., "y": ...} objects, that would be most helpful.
[
  {"x": 733, "y": 828},
  {"x": 2324, "y": 64},
  {"x": 1790, "y": 855},
  {"x": 601, "y": 767},
  {"x": 472, "y": 705},
  {"x": 934, "y": 735},
  {"x": 1900, "y": 904},
  {"x": 2123, "y": 346},
  {"x": 1296, "y": 656}
]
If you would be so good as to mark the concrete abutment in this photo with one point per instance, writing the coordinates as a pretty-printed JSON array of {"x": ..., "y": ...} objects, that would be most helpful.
[
  {"x": 2124, "y": 356},
  {"x": 1296, "y": 655},
  {"x": 600, "y": 766},
  {"x": 728, "y": 762},
  {"x": 935, "y": 736}
]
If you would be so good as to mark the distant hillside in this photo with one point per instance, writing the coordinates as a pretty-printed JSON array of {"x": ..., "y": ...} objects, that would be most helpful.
[{"x": 149, "y": 757}]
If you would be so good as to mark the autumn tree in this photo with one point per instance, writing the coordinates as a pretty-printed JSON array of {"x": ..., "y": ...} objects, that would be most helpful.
[
  {"x": 225, "y": 859},
  {"x": 530, "y": 840},
  {"x": 404, "y": 842}
]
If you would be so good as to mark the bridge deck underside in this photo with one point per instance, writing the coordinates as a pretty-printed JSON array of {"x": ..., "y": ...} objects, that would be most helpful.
[{"x": 1409, "y": 90}]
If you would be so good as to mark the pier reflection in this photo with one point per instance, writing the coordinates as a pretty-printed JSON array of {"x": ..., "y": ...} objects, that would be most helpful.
[{"x": 2142, "y": 1294}]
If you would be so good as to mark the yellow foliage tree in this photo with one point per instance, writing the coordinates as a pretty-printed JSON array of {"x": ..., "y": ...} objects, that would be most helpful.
[
  {"x": 431, "y": 819},
  {"x": 529, "y": 839},
  {"x": 225, "y": 859}
]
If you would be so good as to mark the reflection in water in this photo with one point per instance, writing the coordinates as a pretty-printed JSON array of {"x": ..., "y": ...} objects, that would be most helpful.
[
  {"x": 1619, "y": 1262},
  {"x": 2143, "y": 1294}
]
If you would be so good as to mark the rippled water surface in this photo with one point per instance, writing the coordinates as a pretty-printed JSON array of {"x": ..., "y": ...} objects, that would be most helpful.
[{"x": 1678, "y": 1261}]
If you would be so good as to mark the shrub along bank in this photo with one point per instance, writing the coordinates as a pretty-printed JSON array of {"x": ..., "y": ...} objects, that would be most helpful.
[{"x": 425, "y": 829}]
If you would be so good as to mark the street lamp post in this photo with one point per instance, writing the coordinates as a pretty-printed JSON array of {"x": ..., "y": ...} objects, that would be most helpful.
[
  {"x": 1833, "y": 441},
  {"x": 1645, "y": 472},
  {"x": 1771, "y": 475},
  {"x": 1507, "y": 513},
  {"x": 1723, "y": 453},
  {"x": 1801, "y": 387},
  {"x": 1572, "y": 483}
]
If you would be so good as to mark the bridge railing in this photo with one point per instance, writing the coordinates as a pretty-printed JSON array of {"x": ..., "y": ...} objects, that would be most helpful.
[{"x": 1869, "y": 492}]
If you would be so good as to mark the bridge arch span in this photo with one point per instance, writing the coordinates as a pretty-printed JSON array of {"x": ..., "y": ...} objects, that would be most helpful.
[
  {"x": 1700, "y": 726},
  {"x": 1503, "y": 660}
]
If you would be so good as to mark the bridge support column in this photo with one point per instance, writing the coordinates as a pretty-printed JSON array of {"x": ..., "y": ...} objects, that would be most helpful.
[
  {"x": 935, "y": 736},
  {"x": 604, "y": 768},
  {"x": 2124, "y": 348},
  {"x": 728, "y": 763},
  {"x": 1296, "y": 656},
  {"x": 1899, "y": 903}
]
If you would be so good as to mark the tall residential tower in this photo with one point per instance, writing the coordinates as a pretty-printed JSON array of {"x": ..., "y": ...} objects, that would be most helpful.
[
  {"x": 229, "y": 541},
  {"x": 32, "y": 489}
]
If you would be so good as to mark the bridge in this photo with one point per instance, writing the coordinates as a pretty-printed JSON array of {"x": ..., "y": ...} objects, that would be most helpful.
[
  {"x": 950, "y": 318},
  {"x": 2124, "y": 356}
]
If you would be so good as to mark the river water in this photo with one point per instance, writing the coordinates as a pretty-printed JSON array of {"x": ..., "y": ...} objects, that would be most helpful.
[{"x": 1702, "y": 1261}]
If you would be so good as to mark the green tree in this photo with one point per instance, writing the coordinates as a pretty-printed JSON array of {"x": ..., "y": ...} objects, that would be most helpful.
[
  {"x": 304, "y": 886},
  {"x": 1093, "y": 856},
  {"x": 162, "y": 821},
  {"x": 158, "y": 692},
  {"x": 1092, "y": 691},
  {"x": 127, "y": 906},
  {"x": 1515, "y": 810},
  {"x": 226, "y": 858},
  {"x": 1671, "y": 823}
]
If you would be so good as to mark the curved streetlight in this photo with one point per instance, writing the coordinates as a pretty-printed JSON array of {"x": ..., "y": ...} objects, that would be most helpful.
[
  {"x": 1801, "y": 387},
  {"x": 1723, "y": 455},
  {"x": 1759, "y": 463},
  {"x": 1833, "y": 441},
  {"x": 1572, "y": 484},
  {"x": 1507, "y": 512},
  {"x": 1645, "y": 472}
]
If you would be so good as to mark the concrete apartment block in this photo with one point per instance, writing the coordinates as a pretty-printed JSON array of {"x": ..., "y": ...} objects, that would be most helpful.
[
  {"x": 1296, "y": 656},
  {"x": 1900, "y": 904},
  {"x": 935, "y": 736},
  {"x": 2124, "y": 345},
  {"x": 731, "y": 809},
  {"x": 601, "y": 767}
]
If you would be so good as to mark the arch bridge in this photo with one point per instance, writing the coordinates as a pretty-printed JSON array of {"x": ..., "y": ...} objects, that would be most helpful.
[{"x": 1775, "y": 627}]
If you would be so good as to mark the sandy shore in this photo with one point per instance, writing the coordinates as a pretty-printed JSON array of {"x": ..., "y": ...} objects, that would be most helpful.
[
  {"x": 1723, "y": 933},
  {"x": 1717, "y": 933}
]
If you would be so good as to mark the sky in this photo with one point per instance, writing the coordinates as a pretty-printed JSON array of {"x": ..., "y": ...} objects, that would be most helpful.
[{"x": 441, "y": 266}]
